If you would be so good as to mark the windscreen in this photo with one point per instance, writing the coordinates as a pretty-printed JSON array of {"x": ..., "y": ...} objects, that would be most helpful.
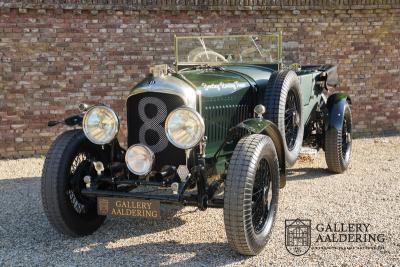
[{"x": 229, "y": 49}]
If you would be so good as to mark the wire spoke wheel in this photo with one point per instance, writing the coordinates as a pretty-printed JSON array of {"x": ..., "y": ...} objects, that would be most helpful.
[
  {"x": 261, "y": 196},
  {"x": 68, "y": 161},
  {"x": 251, "y": 194},
  {"x": 338, "y": 143},
  {"x": 284, "y": 101},
  {"x": 346, "y": 137},
  {"x": 80, "y": 167},
  {"x": 292, "y": 113}
]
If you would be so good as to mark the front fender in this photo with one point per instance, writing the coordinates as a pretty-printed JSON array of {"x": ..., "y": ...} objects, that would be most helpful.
[
  {"x": 70, "y": 121},
  {"x": 335, "y": 104},
  {"x": 262, "y": 126}
]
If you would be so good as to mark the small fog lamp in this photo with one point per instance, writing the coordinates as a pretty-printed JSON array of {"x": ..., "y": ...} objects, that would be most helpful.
[{"x": 139, "y": 159}]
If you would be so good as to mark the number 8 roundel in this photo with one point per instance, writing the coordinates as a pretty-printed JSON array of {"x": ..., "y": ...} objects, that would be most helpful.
[{"x": 153, "y": 123}]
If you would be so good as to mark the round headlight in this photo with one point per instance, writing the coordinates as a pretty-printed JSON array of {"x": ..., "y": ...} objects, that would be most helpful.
[
  {"x": 100, "y": 124},
  {"x": 184, "y": 127},
  {"x": 139, "y": 159}
]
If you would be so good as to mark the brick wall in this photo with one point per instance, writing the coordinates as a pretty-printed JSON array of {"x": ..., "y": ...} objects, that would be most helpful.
[{"x": 54, "y": 56}]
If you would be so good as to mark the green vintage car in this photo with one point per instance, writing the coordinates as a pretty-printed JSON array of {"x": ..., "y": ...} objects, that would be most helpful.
[{"x": 217, "y": 130}]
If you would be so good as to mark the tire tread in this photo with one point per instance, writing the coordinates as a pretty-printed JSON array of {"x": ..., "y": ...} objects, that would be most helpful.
[
  {"x": 51, "y": 191},
  {"x": 238, "y": 188}
]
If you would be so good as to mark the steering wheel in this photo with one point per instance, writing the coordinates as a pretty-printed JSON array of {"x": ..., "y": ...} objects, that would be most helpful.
[
  {"x": 198, "y": 56},
  {"x": 266, "y": 53}
]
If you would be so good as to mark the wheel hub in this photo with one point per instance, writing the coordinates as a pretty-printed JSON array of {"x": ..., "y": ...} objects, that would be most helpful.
[
  {"x": 265, "y": 195},
  {"x": 295, "y": 119},
  {"x": 78, "y": 201},
  {"x": 348, "y": 137},
  {"x": 260, "y": 197}
]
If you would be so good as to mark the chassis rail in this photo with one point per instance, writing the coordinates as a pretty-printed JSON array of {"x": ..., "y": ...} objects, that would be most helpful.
[{"x": 163, "y": 198}]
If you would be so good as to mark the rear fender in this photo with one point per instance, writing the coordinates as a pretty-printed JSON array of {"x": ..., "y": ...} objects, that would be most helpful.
[
  {"x": 262, "y": 126},
  {"x": 335, "y": 104}
]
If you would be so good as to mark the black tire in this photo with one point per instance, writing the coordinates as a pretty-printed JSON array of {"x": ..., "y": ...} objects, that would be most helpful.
[
  {"x": 67, "y": 162},
  {"x": 246, "y": 228},
  {"x": 338, "y": 144},
  {"x": 283, "y": 88}
]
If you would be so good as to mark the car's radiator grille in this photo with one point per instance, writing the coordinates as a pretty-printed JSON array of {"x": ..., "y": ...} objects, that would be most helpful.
[
  {"x": 146, "y": 114},
  {"x": 220, "y": 118}
]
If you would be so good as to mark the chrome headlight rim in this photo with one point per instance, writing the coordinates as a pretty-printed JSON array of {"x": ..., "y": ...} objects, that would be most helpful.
[
  {"x": 151, "y": 154},
  {"x": 85, "y": 120},
  {"x": 200, "y": 120}
]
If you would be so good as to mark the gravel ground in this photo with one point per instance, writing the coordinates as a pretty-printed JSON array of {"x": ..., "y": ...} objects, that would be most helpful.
[{"x": 367, "y": 193}]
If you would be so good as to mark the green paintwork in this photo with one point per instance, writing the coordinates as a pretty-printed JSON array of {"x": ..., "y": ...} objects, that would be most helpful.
[
  {"x": 255, "y": 125},
  {"x": 336, "y": 105},
  {"x": 210, "y": 81},
  {"x": 262, "y": 126},
  {"x": 310, "y": 97},
  {"x": 225, "y": 96},
  {"x": 336, "y": 97},
  {"x": 225, "y": 101},
  {"x": 228, "y": 98}
]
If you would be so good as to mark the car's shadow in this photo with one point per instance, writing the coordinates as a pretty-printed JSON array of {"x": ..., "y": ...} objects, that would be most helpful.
[
  {"x": 167, "y": 254},
  {"x": 24, "y": 227},
  {"x": 306, "y": 173}
]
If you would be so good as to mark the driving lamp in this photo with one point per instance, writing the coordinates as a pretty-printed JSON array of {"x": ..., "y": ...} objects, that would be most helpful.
[
  {"x": 139, "y": 159},
  {"x": 184, "y": 127},
  {"x": 259, "y": 110},
  {"x": 100, "y": 124}
]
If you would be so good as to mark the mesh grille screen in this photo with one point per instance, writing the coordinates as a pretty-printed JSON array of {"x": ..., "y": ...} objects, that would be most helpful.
[
  {"x": 146, "y": 125},
  {"x": 152, "y": 112}
]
